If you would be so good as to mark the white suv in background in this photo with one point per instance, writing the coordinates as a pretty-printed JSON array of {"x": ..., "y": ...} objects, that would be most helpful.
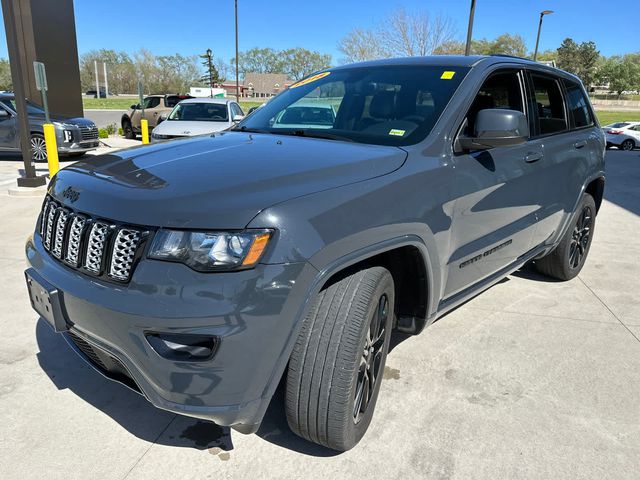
[{"x": 624, "y": 135}]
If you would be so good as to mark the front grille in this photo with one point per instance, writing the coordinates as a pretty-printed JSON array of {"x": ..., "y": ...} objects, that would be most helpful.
[
  {"x": 96, "y": 246},
  {"x": 88, "y": 132}
]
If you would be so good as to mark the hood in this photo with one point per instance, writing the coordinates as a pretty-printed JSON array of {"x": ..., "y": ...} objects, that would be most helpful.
[
  {"x": 183, "y": 127},
  {"x": 79, "y": 121},
  {"x": 217, "y": 182}
]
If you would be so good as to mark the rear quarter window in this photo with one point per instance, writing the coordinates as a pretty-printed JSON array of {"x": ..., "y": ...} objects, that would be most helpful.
[{"x": 578, "y": 105}]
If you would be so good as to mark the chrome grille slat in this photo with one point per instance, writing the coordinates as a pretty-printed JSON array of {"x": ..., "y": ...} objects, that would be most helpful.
[
  {"x": 124, "y": 250},
  {"x": 75, "y": 238},
  {"x": 89, "y": 132},
  {"x": 85, "y": 243},
  {"x": 95, "y": 246},
  {"x": 51, "y": 215},
  {"x": 58, "y": 236}
]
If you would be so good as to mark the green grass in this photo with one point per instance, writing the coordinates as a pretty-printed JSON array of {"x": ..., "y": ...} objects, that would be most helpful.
[
  {"x": 123, "y": 103},
  {"x": 606, "y": 116},
  {"x": 115, "y": 103}
]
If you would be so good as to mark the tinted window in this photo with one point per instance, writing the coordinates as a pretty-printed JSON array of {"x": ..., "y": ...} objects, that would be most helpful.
[
  {"x": 500, "y": 90},
  {"x": 172, "y": 100},
  {"x": 578, "y": 105},
  {"x": 151, "y": 102},
  {"x": 200, "y": 112},
  {"x": 384, "y": 105},
  {"x": 549, "y": 105},
  {"x": 32, "y": 108}
]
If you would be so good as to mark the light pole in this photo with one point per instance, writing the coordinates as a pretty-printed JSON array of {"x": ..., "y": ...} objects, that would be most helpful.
[
  {"x": 209, "y": 53},
  {"x": 542, "y": 14},
  {"x": 472, "y": 12},
  {"x": 237, "y": 80}
]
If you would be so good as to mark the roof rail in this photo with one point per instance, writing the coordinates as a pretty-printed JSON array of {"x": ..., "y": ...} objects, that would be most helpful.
[{"x": 509, "y": 56}]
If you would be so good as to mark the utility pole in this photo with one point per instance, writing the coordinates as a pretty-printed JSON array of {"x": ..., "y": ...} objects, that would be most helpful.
[
  {"x": 95, "y": 65},
  {"x": 542, "y": 14},
  {"x": 472, "y": 13},
  {"x": 106, "y": 82},
  {"x": 237, "y": 77},
  {"x": 209, "y": 53}
]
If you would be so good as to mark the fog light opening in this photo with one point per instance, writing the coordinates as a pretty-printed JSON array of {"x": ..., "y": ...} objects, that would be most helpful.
[{"x": 183, "y": 347}]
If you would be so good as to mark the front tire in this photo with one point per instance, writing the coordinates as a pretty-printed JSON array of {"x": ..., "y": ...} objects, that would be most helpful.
[
  {"x": 38, "y": 147},
  {"x": 627, "y": 145},
  {"x": 568, "y": 258},
  {"x": 127, "y": 130},
  {"x": 336, "y": 367}
]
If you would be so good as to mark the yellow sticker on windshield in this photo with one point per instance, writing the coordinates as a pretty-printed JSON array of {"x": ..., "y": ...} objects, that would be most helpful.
[
  {"x": 448, "y": 75},
  {"x": 396, "y": 133},
  {"x": 312, "y": 78}
]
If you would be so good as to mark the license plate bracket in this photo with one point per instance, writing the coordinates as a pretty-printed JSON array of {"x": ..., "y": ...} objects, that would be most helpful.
[{"x": 46, "y": 300}]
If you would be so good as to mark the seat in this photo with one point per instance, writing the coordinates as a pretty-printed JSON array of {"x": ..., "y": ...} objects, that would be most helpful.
[{"x": 381, "y": 109}]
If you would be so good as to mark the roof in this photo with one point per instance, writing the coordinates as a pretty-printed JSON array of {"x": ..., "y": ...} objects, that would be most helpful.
[{"x": 218, "y": 100}]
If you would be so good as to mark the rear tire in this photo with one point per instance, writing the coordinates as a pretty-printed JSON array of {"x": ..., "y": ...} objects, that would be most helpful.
[
  {"x": 568, "y": 258},
  {"x": 627, "y": 145},
  {"x": 336, "y": 367}
]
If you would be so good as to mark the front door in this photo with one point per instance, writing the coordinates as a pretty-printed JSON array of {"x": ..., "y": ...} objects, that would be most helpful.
[
  {"x": 8, "y": 130},
  {"x": 496, "y": 195}
]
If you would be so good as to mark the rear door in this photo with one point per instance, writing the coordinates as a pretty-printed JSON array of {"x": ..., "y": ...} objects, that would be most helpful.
[
  {"x": 564, "y": 129},
  {"x": 496, "y": 192}
]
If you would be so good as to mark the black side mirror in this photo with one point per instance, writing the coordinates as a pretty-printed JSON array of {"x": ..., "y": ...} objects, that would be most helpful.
[
  {"x": 135, "y": 106},
  {"x": 497, "y": 127}
]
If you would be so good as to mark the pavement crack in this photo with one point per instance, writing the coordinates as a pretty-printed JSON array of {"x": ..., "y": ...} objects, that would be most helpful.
[
  {"x": 610, "y": 311},
  {"x": 149, "y": 448}
]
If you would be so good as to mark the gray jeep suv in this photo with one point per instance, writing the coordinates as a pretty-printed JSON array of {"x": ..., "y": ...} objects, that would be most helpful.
[{"x": 201, "y": 272}]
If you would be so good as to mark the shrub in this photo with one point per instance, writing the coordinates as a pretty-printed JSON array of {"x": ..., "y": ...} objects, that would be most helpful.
[
  {"x": 103, "y": 133},
  {"x": 121, "y": 132}
]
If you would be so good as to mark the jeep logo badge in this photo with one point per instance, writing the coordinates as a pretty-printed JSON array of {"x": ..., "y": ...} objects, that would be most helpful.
[{"x": 71, "y": 194}]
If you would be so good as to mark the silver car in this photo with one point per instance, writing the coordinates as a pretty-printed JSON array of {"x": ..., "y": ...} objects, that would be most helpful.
[
  {"x": 198, "y": 116},
  {"x": 624, "y": 135}
]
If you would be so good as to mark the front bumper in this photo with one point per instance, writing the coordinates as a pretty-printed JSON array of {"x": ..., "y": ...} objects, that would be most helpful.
[
  {"x": 80, "y": 147},
  {"x": 254, "y": 313}
]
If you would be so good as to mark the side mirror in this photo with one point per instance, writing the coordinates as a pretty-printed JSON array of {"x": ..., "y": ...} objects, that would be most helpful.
[
  {"x": 237, "y": 118},
  {"x": 135, "y": 106},
  {"x": 3, "y": 113},
  {"x": 497, "y": 127}
]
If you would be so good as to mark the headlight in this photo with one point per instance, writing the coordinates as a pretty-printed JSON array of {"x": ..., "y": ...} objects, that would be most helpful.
[{"x": 210, "y": 251}]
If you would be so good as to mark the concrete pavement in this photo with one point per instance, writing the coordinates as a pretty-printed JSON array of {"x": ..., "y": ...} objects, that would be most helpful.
[{"x": 532, "y": 379}]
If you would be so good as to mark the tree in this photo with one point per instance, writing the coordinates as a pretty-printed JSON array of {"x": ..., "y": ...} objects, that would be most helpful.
[
  {"x": 297, "y": 63},
  {"x": 5, "y": 75},
  {"x": 579, "y": 59},
  {"x": 505, "y": 44},
  {"x": 399, "y": 35},
  {"x": 211, "y": 77},
  {"x": 621, "y": 73},
  {"x": 300, "y": 62}
]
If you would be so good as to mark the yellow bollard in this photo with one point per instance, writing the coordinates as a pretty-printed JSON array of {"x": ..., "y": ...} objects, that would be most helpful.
[
  {"x": 52, "y": 148},
  {"x": 144, "y": 126}
]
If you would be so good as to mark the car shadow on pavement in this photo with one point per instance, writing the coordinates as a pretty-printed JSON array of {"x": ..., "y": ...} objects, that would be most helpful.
[
  {"x": 130, "y": 409},
  {"x": 135, "y": 414}
]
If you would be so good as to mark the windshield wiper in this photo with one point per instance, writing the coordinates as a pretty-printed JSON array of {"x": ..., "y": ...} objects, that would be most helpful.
[
  {"x": 244, "y": 128},
  {"x": 315, "y": 134}
]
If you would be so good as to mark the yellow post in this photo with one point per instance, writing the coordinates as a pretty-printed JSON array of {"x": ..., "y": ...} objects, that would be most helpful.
[
  {"x": 144, "y": 126},
  {"x": 52, "y": 148}
]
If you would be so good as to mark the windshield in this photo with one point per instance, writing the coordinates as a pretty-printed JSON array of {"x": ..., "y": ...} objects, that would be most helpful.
[
  {"x": 200, "y": 112},
  {"x": 618, "y": 125},
  {"x": 32, "y": 108},
  {"x": 383, "y": 105}
]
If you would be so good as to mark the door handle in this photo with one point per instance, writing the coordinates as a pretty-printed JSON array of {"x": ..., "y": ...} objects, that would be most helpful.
[
  {"x": 533, "y": 157},
  {"x": 580, "y": 144}
]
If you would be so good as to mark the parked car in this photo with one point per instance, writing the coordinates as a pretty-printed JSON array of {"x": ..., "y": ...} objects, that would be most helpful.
[
  {"x": 203, "y": 272},
  {"x": 303, "y": 114},
  {"x": 624, "y": 135},
  {"x": 74, "y": 136},
  {"x": 198, "y": 116},
  {"x": 154, "y": 107},
  {"x": 94, "y": 93}
]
